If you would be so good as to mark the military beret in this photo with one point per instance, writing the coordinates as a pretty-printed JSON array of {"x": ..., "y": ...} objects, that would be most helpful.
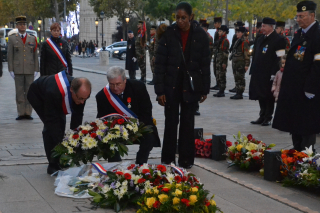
[
  {"x": 140, "y": 22},
  {"x": 239, "y": 23},
  {"x": 224, "y": 28},
  {"x": 130, "y": 31},
  {"x": 217, "y": 19},
  {"x": 241, "y": 29},
  {"x": 205, "y": 24},
  {"x": 21, "y": 19},
  {"x": 280, "y": 24},
  {"x": 306, "y": 6},
  {"x": 202, "y": 20},
  {"x": 268, "y": 20},
  {"x": 259, "y": 23},
  {"x": 153, "y": 27}
]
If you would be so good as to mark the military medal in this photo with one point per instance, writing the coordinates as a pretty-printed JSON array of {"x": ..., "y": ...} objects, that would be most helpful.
[
  {"x": 60, "y": 45},
  {"x": 264, "y": 50},
  {"x": 129, "y": 102},
  {"x": 304, "y": 43}
]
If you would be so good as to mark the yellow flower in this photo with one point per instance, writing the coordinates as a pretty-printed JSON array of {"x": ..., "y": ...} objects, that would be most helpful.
[
  {"x": 194, "y": 189},
  {"x": 149, "y": 191},
  {"x": 193, "y": 199},
  {"x": 213, "y": 203},
  {"x": 155, "y": 191},
  {"x": 150, "y": 201},
  {"x": 163, "y": 198},
  {"x": 239, "y": 146},
  {"x": 176, "y": 200},
  {"x": 251, "y": 146},
  {"x": 178, "y": 185},
  {"x": 178, "y": 192}
]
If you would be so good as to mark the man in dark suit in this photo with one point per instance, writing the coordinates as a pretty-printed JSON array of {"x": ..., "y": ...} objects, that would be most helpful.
[
  {"x": 131, "y": 58},
  {"x": 134, "y": 95},
  {"x": 270, "y": 48},
  {"x": 52, "y": 99},
  {"x": 298, "y": 105}
]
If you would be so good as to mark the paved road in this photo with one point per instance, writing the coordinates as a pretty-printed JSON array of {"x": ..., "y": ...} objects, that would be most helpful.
[{"x": 25, "y": 186}]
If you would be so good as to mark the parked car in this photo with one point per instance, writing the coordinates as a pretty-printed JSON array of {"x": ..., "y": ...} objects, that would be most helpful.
[
  {"x": 115, "y": 46},
  {"x": 120, "y": 53}
]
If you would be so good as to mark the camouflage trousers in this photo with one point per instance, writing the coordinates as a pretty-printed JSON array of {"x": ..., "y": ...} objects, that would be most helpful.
[
  {"x": 142, "y": 66},
  {"x": 221, "y": 76},
  {"x": 239, "y": 75},
  {"x": 152, "y": 65},
  {"x": 215, "y": 68}
]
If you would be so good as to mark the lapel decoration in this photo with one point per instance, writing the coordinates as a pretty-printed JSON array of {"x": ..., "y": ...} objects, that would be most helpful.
[{"x": 129, "y": 102}]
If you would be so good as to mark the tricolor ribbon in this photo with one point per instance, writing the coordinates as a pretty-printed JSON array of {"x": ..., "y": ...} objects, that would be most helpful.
[
  {"x": 58, "y": 52},
  {"x": 117, "y": 104},
  {"x": 99, "y": 168},
  {"x": 177, "y": 170},
  {"x": 64, "y": 87},
  {"x": 113, "y": 115}
]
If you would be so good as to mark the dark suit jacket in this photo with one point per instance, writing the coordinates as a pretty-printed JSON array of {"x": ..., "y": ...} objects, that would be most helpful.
[
  {"x": 140, "y": 104},
  {"x": 44, "y": 95}
]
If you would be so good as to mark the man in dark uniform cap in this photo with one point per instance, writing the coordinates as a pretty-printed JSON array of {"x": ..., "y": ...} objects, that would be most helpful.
[
  {"x": 280, "y": 27},
  {"x": 131, "y": 58},
  {"x": 217, "y": 21},
  {"x": 299, "y": 99},
  {"x": 270, "y": 48},
  {"x": 234, "y": 39}
]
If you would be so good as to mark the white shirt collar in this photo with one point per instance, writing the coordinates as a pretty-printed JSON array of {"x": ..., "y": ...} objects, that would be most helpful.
[
  {"x": 269, "y": 34},
  {"x": 24, "y": 35},
  {"x": 308, "y": 28}
]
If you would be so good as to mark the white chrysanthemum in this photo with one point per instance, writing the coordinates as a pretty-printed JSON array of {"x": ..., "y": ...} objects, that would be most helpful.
[
  {"x": 135, "y": 128},
  {"x": 170, "y": 177},
  {"x": 65, "y": 143},
  {"x": 99, "y": 132},
  {"x": 116, "y": 192},
  {"x": 86, "y": 139},
  {"x": 117, "y": 134},
  {"x": 135, "y": 178},
  {"x": 117, "y": 126},
  {"x": 123, "y": 189},
  {"x": 70, "y": 150},
  {"x": 86, "y": 127},
  {"x": 73, "y": 142},
  {"x": 113, "y": 147},
  {"x": 128, "y": 126},
  {"x": 125, "y": 134},
  {"x": 105, "y": 189},
  {"x": 102, "y": 126},
  {"x": 118, "y": 184},
  {"x": 92, "y": 143},
  {"x": 125, "y": 183},
  {"x": 84, "y": 146}
]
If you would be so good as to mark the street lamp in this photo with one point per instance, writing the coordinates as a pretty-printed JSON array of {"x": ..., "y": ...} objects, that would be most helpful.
[
  {"x": 39, "y": 30},
  {"x": 102, "y": 17},
  {"x": 6, "y": 26},
  {"x": 97, "y": 22},
  {"x": 127, "y": 20}
]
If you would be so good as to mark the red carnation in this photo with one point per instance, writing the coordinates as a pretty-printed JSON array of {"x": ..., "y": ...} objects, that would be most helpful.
[
  {"x": 127, "y": 176},
  {"x": 185, "y": 201},
  {"x": 93, "y": 135},
  {"x": 184, "y": 178},
  {"x": 156, "y": 182},
  {"x": 93, "y": 124},
  {"x": 157, "y": 204},
  {"x": 131, "y": 166},
  {"x": 165, "y": 189},
  {"x": 249, "y": 137},
  {"x": 75, "y": 136},
  {"x": 145, "y": 171},
  {"x": 120, "y": 121},
  {"x": 160, "y": 186},
  {"x": 95, "y": 128},
  {"x": 207, "y": 203},
  {"x": 177, "y": 179},
  {"x": 106, "y": 122},
  {"x": 161, "y": 168},
  {"x": 141, "y": 180},
  {"x": 119, "y": 173},
  {"x": 256, "y": 158},
  {"x": 229, "y": 143},
  {"x": 84, "y": 132}
]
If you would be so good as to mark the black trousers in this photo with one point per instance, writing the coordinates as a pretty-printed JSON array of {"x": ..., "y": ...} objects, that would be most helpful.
[
  {"x": 186, "y": 144},
  {"x": 132, "y": 74},
  {"x": 300, "y": 142},
  {"x": 266, "y": 108},
  {"x": 146, "y": 145}
]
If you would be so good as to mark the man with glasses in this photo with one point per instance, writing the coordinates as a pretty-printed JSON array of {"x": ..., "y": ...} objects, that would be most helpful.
[
  {"x": 23, "y": 65},
  {"x": 124, "y": 96},
  {"x": 298, "y": 105},
  {"x": 52, "y": 97}
]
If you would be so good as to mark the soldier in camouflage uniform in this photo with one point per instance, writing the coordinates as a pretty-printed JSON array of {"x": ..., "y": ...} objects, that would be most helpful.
[
  {"x": 222, "y": 59},
  {"x": 280, "y": 25},
  {"x": 217, "y": 24},
  {"x": 240, "y": 62},
  {"x": 205, "y": 27},
  {"x": 152, "y": 50},
  {"x": 141, "y": 50}
]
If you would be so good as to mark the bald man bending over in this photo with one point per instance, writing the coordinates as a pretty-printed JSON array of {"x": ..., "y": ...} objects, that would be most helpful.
[{"x": 53, "y": 97}]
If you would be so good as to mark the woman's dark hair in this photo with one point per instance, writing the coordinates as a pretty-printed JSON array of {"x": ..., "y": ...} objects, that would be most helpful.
[{"x": 185, "y": 6}]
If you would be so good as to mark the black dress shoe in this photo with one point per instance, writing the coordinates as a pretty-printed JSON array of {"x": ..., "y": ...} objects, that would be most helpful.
[
  {"x": 20, "y": 117},
  {"x": 197, "y": 113},
  {"x": 219, "y": 94},
  {"x": 216, "y": 87},
  {"x": 266, "y": 123},
  {"x": 233, "y": 90},
  {"x": 259, "y": 121},
  {"x": 52, "y": 169},
  {"x": 28, "y": 117}
]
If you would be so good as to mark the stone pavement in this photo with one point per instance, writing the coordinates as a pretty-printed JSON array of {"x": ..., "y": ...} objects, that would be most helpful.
[{"x": 25, "y": 186}]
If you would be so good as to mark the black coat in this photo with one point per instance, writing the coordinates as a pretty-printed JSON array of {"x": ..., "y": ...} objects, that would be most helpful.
[
  {"x": 169, "y": 60},
  {"x": 140, "y": 104},
  {"x": 50, "y": 64},
  {"x": 295, "y": 113},
  {"x": 131, "y": 52},
  {"x": 254, "y": 47},
  {"x": 265, "y": 65},
  {"x": 45, "y": 94}
]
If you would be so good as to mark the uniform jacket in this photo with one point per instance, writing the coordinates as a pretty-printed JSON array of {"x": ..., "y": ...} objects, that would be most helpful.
[
  {"x": 241, "y": 52},
  {"x": 140, "y": 50},
  {"x": 131, "y": 52},
  {"x": 223, "y": 50},
  {"x": 140, "y": 104},
  {"x": 215, "y": 42},
  {"x": 50, "y": 64},
  {"x": 152, "y": 46},
  {"x": 265, "y": 64},
  {"x": 295, "y": 113},
  {"x": 234, "y": 39},
  {"x": 22, "y": 58},
  {"x": 44, "y": 92},
  {"x": 210, "y": 43},
  {"x": 169, "y": 61}
]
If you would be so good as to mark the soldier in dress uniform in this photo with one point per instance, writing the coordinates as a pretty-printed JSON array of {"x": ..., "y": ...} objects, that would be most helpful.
[
  {"x": 23, "y": 65},
  {"x": 270, "y": 48},
  {"x": 205, "y": 27},
  {"x": 141, "y": 50},
  {"x": 217, "y": 24},
  {"x": 240, "y": 62},
  {"x": 152, "y": 50},
  {"x": 131, "y": 58},
  {"x": 298, "y": 104},
  {"x": 280, "y": 26},
  {"x": 222, "y": 59}
]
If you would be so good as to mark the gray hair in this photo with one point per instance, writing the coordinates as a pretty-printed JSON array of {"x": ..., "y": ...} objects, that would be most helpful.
[{"x": 115, "y": 72}]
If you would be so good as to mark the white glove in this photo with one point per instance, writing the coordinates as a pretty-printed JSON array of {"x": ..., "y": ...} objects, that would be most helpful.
[
  {"x": 12, "y": 74},
  {"x": 134, "y": 59},
  {"x": 272, "y": 78},
  {"x": 309, "y": 95},
  {"x": 35, "y": 74}
]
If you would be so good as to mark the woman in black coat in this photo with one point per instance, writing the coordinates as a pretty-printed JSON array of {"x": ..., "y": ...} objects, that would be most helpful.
[
  {"x": 50, "y": 64},
  {"x": 183, "y": 51}
]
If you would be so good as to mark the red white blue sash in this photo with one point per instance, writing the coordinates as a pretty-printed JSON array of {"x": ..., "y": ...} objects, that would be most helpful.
[
  {"x": 117, "y": 104},
  {"x": 64, "y": 87},
  {"x": 99, "y": 168},
  {"x": 58, "y": 52},
  {"x": 114, "y": 115}
]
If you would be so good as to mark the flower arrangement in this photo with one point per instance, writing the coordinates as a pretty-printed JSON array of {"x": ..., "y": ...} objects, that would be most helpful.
[
  {"x": 100, "y": 138},
  {"x": 300, "y": 168},
  {"x": 247, "y": 152},
  {"x": 203, "y": 148}
]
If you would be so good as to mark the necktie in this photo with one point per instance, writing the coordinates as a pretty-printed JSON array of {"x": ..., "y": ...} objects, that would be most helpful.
[
  {"x": 302, "y": 34},
  {"x": 22, "y": 36}
]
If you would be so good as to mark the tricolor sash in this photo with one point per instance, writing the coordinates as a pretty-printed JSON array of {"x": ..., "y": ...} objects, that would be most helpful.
[
  {"x": 177, "y": 170},
  {"x": 58, "y": 52},
  {"x": 99, "y": 168},
  {"x": 117, "y": 104},
  {"x": 114, "y": 115},
  {"x": 64, "y": 87}
]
